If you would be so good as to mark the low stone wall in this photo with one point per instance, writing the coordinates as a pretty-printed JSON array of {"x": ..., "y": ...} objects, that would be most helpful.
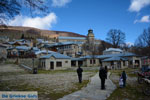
[
  {"x": 29, "y": 62},
  {"x": 25, "y": 61}
]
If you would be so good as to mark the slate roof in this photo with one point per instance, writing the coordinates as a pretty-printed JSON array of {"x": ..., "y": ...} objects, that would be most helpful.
[
  {"x": 72, "y": 38},
  {"x": 126, "y": 54},
  {"x": 63, "y": 43},
  {"x": 55, "y": 55},
  {"x": 23, "y": 48},
  {"x": 43, "y": 51},
  {"x": 77, "y": 59},
  {"x": 115, "y": 59}
]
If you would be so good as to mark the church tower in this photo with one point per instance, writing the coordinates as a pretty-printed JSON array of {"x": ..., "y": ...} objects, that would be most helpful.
[{"x": 90, "y": 36}]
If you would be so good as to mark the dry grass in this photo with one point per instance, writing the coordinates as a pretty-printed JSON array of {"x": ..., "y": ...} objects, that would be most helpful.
[{"x": 132, "y": 91}]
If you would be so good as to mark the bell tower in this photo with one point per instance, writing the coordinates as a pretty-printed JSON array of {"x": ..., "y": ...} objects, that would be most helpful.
[{"x": 90, "y": 36}]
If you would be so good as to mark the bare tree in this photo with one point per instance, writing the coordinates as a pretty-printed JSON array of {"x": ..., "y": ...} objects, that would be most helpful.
[
  {"x": 10, "y": 8},
  {"x": 91, "y": 49},
  {"x": 144, "y": 39},
  {"x": 142, "y": 43},
  {"x": 115, "y": 37}
]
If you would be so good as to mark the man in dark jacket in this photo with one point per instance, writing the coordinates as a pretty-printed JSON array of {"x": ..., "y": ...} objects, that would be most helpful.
[
  {"x": 102, "y": 75},
  {"x": 124, "y": 77},
  {"x": 79, "y": 72}
]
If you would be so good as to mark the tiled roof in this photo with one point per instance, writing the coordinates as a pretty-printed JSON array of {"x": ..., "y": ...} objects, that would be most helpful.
[
  {"x": 72, "y": 38},
  {"x": 56, "y": 55}
]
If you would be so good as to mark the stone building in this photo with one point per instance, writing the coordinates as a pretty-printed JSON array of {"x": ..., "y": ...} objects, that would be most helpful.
[
  {"x": 115, "y": 58},
  {"x": 54, "y": 61},
  {"x": 72, "y": 49}
]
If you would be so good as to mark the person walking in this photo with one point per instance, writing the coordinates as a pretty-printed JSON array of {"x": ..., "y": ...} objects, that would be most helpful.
[
  {"x": 124, "y": 77},
  {"x": 102, "y": 75},
  {"x": 79, "y": 72}
]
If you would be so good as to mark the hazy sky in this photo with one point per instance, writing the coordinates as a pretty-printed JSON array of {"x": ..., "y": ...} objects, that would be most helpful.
[{"x": 130, "y": 16}]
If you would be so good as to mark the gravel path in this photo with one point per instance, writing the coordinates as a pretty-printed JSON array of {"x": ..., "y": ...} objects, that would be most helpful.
[{"x": 92, "y": 91}]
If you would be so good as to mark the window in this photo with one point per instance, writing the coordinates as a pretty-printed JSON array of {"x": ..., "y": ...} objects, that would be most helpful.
[
  {"x": 66, "y": 61},
  {"x": 94, "y": 61},
  {"x": 59, "y": 64}
]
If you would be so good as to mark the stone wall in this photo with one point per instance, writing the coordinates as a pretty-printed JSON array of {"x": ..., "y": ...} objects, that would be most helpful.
[
  {"x": 25, "y": 61},
  {"x": 29, "y": 62}
]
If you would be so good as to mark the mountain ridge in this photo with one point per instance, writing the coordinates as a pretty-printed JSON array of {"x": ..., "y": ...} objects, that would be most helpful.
[{"x": 34, "y": 32}]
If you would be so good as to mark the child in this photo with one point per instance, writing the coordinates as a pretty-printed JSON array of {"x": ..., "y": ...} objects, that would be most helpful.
[{"x": 121, "y": 82}]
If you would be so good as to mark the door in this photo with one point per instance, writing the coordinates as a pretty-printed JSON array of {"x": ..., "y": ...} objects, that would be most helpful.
[{"x": 52, "y": 65}]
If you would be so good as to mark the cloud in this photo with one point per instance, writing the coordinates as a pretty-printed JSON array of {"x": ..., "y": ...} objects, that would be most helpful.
[
  {"x": 144, "y": 19},
  {"x": 60, "y": 3},
  {"x": 37, "y": 22},
  {"x": 137, "y": 5}
]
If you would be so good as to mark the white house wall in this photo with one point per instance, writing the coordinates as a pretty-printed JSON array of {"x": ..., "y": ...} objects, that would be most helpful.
[{"x": 64, "y": 64}]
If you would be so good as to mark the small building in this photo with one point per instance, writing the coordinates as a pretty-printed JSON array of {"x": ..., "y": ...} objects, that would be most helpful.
[
  {"x": 112, "y": 51},
  {"x": 21, "y": 52},
  {"x": 54, "y": 61},
  {"x": 115, "y": 62},
  {"x": 120, "y": 60}
]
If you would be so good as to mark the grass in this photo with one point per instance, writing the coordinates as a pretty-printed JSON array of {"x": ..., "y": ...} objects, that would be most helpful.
[
  {"x": 130, "y": 92},
  {"x": 133, "y": 91},
  {"x": 53, "y": 71},
  {"x": 129, "y": 72},
  {"x": 42, "y": 91},
  {"x": 61, "y": 71},
  {"x": 12, "y": 73}
]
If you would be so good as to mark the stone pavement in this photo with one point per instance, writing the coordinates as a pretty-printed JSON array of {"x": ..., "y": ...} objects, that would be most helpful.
[{"x": 93, "y": 90}]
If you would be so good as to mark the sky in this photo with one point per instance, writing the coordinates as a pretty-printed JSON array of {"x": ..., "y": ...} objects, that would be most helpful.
[{"x": 129, "y": 16}]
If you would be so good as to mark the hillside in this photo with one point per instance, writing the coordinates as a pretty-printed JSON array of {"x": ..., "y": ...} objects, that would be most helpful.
[{"x": 16, "y": 32}]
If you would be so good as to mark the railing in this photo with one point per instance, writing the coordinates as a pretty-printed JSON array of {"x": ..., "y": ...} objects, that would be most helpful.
[{"x": 26, "y": 67}]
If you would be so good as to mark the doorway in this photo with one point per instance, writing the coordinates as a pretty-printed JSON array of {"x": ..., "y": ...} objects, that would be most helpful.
[{"x": 51, "y": 65}]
